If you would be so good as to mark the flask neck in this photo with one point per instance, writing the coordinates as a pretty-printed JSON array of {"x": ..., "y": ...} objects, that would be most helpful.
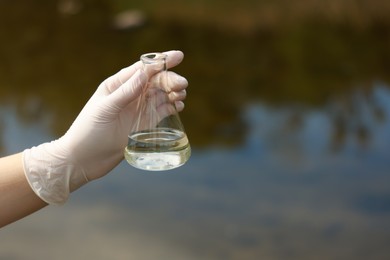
[{"x": 154, "y": 61}]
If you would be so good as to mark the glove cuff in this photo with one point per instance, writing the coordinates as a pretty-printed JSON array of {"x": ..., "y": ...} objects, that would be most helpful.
[{"x": 51, "y": 175}]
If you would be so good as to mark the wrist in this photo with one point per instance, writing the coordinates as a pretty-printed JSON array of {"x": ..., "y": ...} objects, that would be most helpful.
[{"x": 51, "y": 173}]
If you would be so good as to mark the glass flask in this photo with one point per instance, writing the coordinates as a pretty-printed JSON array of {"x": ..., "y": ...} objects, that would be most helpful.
[{"x": 157, "y": 141}]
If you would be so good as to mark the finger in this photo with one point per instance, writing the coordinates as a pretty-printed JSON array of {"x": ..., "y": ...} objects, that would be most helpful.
[
  {"x": 115, "y": 81},
  {"x": 179, "y": 106},
  {"x": 168, "y": 109},
  {"x": 170, "y": 81},
  {"x": 177, "y": 96},
  {"x": 128, "y": 91},
  {"x": 177, "y": 82},
  {"x": 158, "y": 97},
  {"x": 174, "y": 58},
  {"x": 156, "y": 62}
]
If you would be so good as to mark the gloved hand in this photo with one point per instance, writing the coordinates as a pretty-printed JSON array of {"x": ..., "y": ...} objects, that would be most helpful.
[{"x": 94, "y": 144}]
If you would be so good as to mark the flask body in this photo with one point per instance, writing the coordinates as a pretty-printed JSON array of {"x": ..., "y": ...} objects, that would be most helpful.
[{"x": 157, "y": 141}]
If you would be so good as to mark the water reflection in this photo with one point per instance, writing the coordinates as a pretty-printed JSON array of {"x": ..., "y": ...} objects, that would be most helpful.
[
  {"x": 289, "y": 124},
  {"x": 279, "y": 195},
  {"x": 307, "y": 65}
]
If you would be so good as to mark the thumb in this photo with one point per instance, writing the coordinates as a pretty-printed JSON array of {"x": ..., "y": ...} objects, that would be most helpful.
[{"x": 129, "y": 90}]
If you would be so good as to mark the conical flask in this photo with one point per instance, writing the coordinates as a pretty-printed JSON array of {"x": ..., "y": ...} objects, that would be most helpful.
[{"x": 157, "y": 141}]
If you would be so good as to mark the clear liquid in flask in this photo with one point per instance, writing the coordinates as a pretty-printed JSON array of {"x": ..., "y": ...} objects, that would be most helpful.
[{"x": 158, "y": 149}]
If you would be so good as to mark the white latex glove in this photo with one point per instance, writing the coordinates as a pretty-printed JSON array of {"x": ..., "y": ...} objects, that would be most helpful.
[{"x": 95, "y": 142}]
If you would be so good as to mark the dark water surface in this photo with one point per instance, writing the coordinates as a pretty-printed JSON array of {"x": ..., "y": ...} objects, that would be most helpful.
[{"x": 290, "y": 131}]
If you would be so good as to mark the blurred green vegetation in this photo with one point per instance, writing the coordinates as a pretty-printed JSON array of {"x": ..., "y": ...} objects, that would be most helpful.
[
  {"x": 283, "y": 53},
  {"x": 249, "y": 15}
]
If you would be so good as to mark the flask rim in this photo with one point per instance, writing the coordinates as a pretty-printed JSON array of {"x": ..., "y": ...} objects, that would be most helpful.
[{"x": 153, "y": 57}]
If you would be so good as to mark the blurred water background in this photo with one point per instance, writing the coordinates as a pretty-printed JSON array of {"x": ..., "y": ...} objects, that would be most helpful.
[{"x": 288, "y": 115}]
